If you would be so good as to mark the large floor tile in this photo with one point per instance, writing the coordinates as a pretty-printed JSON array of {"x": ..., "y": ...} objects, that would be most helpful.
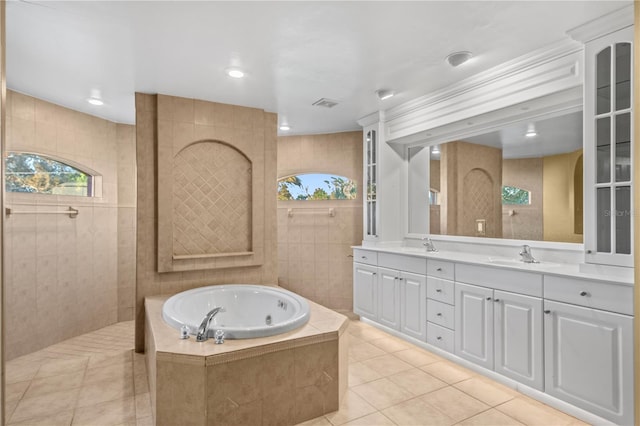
[
  {"x": 62, "y": 366},
  {"x": 417, "y": 381},
  {"x": 387, "y": 365},
  {"x": 352, "y": 407},
  {"x": 454, "y": 403},
  {"x": 45, "y": 405},
  {"x": 391, "y": 344},
  {"x": 382, "y": 393},
  {"x": 417, "y": 357},
  {"x": 447, "y": 372},
  {"x": 45, "y": 385},
  {"x": 491, "y": 393},
  {"x": 417, "y": 412},
  {"x": 375, "y": 419},
  {"x": 533, "y": 413},
  {"x": 107, "y": 413},
  {"x": 364, "y": 351},
  {"x": 491, "y": 417},
  {"x": 59, "y": 419},
  {"x": 104, "y": 391},
  {"x": 360, "y": 373}
]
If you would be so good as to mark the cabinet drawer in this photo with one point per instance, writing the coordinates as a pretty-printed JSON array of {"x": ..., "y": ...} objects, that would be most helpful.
[
  {"x": 417, "y": 265},
  {"x": 440, "y": 337},
  {"x": 440, "y": 290},
  {"x": 440, "y": 313},
  {"x": 365, "y": 256},
  {"x": 529, "y": 283},
  {"x": 591, "y": 294},
  {"x": 440, "y": 269}
]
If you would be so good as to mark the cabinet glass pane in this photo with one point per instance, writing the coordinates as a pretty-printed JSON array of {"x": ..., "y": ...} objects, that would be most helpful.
[
  {"x": 603, "y": 147},
  {"x": 603, "y": 81},
  {"x": 603, "y": 215},
  {"x": 623, "y": 220},
  {"x": 623, "y": 76},
  {"x": 623, "y": 147}
]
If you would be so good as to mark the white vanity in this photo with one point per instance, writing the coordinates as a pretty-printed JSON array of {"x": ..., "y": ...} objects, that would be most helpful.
[
  {"x": 545, "y": 326},
  {"x": 448, "y": 166}
]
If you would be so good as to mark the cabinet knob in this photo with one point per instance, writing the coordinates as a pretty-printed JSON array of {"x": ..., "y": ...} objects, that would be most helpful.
[
  {"x": 438, "y": 290},
  {"x": 496, "y": 300},
  {"x": 584, "y": 293},
  {"x": 547, "y": 311},
  {"x": 589, "y": 251},
  {"x": 364, "y": 257},
  {"x": 373, "y": 273},
  {"x": 488, "y": 298},
  {"x": 401, "y": 278},
  {"x": 439, "y": 314},
  {"x": 439, "y": 269},
  {"x": 439, "y": 338}
]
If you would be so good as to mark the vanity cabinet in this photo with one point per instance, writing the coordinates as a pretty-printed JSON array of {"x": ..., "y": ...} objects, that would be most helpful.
[
  {"x": 497, "y": 329},
  {"x": 588, "y": 350},
  {"x": 365, "y": 290},
  {"x": 440, "y": 304},
  {"x": 389, "y": 301},
  {"x": 413, "y": 305},
  {"x": 608, "y": 141}
]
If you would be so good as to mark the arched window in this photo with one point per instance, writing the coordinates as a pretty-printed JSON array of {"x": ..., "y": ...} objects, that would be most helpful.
[
  {"x": 35, "y": 173},
  {"x": 316, "y": 186},
  {"x": 513, "y": 195}
]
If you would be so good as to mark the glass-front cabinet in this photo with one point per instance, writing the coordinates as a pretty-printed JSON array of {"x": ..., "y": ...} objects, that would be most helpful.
[
  {"x": 608, "y": 142},
  {"x": 371, "y": 176}
]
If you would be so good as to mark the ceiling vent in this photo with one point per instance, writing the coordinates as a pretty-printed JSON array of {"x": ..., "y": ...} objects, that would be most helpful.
[{"x": 326, "y": 103}]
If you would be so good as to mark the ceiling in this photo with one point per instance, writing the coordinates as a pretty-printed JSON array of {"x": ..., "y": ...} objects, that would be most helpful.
[
  {"x": 294, "y": 53},
  {"x": 553, "y": 136}
]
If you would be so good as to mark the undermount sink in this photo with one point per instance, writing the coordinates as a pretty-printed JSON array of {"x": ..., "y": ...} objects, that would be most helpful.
[
  {"x": 508, "y": 262},
  {"x": 420, "y": 250}
]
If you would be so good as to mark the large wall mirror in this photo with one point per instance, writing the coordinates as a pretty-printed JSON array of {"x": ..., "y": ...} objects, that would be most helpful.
[{"x": 523, "y": 181}]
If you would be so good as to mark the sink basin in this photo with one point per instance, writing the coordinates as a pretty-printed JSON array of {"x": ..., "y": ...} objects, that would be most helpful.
[
  {"x": 420, "y": 250},
  {"x": 510, "y": 262}
]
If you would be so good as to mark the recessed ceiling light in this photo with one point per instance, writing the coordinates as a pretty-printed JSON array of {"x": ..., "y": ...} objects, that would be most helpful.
[
  {"x": 384, "y": 94},
  {"x": 458, "y": 58},
  {"x": 435, "y": 149},
  {"x": 531, "y": 131},
  {"x": 235, "y": 72},
  {"x": 285, "y": 127},
  {"x": 95, "y": 101}
]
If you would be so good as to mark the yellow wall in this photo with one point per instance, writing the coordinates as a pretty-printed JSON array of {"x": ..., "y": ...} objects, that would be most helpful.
[{"x": 559, "y": 197}]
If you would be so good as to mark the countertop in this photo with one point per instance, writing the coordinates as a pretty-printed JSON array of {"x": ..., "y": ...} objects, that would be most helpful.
[{"x": 595, "y": 272}]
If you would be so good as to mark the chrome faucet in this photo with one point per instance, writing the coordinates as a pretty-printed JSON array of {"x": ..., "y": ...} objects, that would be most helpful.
[
  {"x": 428, "y": 244},
  {"x": 527, "y": 257},
  {"x": 204, "y": 326}
]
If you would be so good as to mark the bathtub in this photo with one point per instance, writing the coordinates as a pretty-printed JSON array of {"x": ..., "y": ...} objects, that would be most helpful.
[{"x": 249, "y": 310}]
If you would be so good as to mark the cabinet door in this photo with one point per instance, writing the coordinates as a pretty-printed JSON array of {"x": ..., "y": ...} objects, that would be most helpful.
[
  {"x": 389, "y": 300},
  {"x": 518, "y": 338},
  {"x": 365, "y": 290},
  {"x": 413, "y": 305},
  {"x": 608, "y": 138},
  {"x": 589, "y": 359},
  {"x": 474, "y": 324}
]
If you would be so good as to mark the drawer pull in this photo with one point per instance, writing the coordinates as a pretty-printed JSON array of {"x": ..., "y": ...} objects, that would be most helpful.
[
  {"x": 496, "y": 300},
  {"x": 374, "y": 273},
  {"x": 438, "y": 290},
  {"x": 439, "y": 269},
  {"x": 364, "y": 257},
  {"x": 439, "y": 338},
  {"x": 439, "y": 314},
  {"x": 547, "y": 311},
  {"x": 584, "y": 293}
]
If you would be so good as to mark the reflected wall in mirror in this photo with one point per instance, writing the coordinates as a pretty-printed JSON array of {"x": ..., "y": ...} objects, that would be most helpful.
[{"x": 520, "y": 182}]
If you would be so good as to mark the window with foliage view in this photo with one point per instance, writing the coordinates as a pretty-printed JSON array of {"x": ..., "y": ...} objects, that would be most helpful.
[
  {"x": 513, "y": 195},
  {"x": 35, "y": 173},
  {"x": 316, "y": 186}
]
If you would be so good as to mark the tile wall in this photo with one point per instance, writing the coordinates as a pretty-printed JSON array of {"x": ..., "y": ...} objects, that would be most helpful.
[
  {"x": 224, "y": 119},
  {"x": 62, "y": 275},
  {"x": 313, "y": 247}
]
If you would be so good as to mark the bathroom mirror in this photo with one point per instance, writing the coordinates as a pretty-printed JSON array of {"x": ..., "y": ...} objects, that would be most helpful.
[{"x": 522, "y": 181}]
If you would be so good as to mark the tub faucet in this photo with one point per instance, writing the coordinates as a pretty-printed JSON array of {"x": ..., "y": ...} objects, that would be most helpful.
[
  {"x": 204, "y": 326},
  {"x": 527, "y": 257},
  {"x": 428, "y": 244}
]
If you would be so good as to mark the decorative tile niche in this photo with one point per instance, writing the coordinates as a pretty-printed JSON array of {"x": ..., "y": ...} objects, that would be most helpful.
[{"x": 210, "y": 186}]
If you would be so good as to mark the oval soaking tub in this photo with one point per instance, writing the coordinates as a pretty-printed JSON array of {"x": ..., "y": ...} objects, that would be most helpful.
[{"x": 249, "y": 310}]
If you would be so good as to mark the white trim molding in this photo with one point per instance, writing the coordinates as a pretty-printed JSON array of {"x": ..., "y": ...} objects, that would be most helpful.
[{"x": 603, "y": 25}]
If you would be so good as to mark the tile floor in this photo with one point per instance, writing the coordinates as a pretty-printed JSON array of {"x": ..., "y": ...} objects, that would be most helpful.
[{"x": 97, "y": 379}]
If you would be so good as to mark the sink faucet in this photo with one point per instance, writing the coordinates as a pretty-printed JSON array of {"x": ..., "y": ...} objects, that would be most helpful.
[
  {"x": 204, "y": 326},
  {"x": 428, "y": 244},
  {"x": 527, "y": 257}
]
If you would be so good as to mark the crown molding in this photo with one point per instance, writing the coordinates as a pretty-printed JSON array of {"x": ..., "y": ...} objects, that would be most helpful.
[
  {"x": 373, "y": 118},
  {"x": 603, "y": 25}
]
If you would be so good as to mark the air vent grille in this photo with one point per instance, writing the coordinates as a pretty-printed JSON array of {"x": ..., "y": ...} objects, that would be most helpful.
[{"x": 326, "y": 103}]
